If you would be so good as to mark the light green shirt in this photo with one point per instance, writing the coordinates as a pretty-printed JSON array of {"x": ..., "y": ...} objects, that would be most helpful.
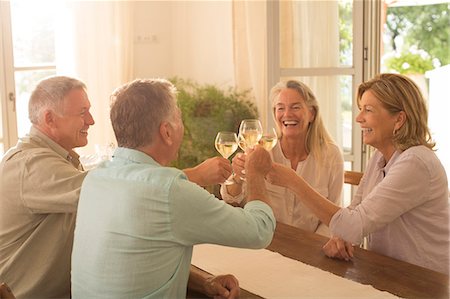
[
  {"x": 137, "y": 222},
  {"x": 40, "y": 184}
]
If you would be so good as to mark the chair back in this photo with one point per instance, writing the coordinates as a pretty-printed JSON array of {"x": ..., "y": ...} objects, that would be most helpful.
[{"x": 352, "y": 177}]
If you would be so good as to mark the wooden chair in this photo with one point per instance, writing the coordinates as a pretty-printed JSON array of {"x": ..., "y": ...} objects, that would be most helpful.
[{"x": 352, "y": 177}]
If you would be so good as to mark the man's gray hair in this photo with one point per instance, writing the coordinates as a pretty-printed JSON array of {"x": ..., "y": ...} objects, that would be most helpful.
[{"x": 50, "y": 94}]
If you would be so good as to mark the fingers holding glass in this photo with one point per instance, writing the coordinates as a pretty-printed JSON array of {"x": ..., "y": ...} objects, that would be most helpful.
[{"x": 238, "y": 165}]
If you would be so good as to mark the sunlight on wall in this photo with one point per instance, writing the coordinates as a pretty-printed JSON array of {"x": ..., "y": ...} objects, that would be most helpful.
[{"x": 438, "y": 120}]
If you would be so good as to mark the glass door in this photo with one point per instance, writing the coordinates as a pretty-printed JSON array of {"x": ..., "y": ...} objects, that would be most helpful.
[{"x": 28, "y": 47}]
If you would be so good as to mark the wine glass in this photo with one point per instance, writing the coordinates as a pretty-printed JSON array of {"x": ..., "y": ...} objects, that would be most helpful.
[
  {"x": 226, "y": 144},
  {"x": 269, "y": 139},
  {"x": 241, "y": 143},
  {"x": 251, "y": 131}
]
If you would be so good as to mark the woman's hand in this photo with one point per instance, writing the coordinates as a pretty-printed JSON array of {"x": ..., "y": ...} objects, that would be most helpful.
[
  {"x": 280, "y": 175},
  {"x": 338, "y": 248}
]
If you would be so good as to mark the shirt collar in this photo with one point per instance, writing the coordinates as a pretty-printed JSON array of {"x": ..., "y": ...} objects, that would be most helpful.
[
  {"x": 41, "y": 138},
  {"x": 381, "y": 163},
  {"x": 133, "y": 156}
]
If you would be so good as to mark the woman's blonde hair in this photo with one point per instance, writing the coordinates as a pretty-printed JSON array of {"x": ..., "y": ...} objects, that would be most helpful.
[
  {"x": 399, "y": 93},
  {"x": 317, "y": 136}
]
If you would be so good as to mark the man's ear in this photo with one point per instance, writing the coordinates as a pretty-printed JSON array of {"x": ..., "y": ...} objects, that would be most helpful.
[
  {"x": 166, "y": 133},
  {"x": 49, "y": 118}
]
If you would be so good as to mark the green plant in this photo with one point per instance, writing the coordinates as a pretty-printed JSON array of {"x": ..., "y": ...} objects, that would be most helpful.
[
  {"x": 206, "y": 110},
  {"x": 413, "y": 62}
]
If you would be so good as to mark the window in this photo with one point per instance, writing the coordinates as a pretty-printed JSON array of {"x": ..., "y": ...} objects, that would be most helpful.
[
  {"x": 415, "y": 42},
  {"x": 305, "y": 44},
  {"x": 29, "y": 56}
]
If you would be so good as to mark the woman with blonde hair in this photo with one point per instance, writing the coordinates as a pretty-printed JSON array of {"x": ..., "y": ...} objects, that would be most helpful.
[
  {"x": 304, "y": 146},
  {"x": 401, "y": 204}
]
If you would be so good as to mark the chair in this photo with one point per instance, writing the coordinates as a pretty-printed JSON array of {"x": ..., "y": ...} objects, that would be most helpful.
[
  {"x": 5, "y": 292},
  {"x": 352, "y": 177}
]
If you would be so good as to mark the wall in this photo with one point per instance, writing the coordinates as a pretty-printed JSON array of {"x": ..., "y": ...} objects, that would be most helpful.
[
  {"x": 168, "y": 35},
  {"x": 438, "y": 108}
]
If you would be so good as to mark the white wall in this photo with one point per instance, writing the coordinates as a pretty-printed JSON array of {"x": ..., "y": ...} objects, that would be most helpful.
[
  {"x": 438, "y": 119},
  {"x": 168, "y": 35}
]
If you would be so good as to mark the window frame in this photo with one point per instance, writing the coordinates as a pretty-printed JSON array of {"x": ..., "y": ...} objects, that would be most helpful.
[
  {"x": 366, "y": 47},
  {"x": 7, "y": 85}
]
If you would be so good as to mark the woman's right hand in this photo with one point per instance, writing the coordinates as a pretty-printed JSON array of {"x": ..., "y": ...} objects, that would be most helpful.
[
  {"x": 280, "y": 175},
  {"x": 338, "y": 248},
  {"x": 238, "y": 165}
]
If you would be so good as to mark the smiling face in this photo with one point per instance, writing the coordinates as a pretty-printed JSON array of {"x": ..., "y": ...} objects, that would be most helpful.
[
  {"x": 377, "y": 123},
  {"x": 292, "y": 114},
  {"x": 71, "y": 128}
]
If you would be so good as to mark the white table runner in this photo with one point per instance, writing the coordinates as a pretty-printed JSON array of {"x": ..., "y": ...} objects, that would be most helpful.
[{"x": 271, "y": 275}]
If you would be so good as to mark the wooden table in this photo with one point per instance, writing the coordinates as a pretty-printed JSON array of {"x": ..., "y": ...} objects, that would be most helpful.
[{"x": 383, "y": 273}]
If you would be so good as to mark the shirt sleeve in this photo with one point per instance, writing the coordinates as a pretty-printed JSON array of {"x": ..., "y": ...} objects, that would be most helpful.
[
  {"x": 395, "y": 195},
  {"x": 228, "y": 198},
  {"x": 198, "y": 217},
  {"x": 50, "y": 184}
]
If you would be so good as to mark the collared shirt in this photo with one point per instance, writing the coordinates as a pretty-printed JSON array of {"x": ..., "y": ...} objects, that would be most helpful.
[
  {"x": 326, "y": 177},
  {"x": 39, "y": 190},
  {"x": 402, "y": 207},
  {"x": 137, "y": 222}
]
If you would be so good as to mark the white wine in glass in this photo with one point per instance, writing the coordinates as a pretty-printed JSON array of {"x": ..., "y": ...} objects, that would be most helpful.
[
  {"x": 241, "y": 143},
  {"x": 269, "y": 139},
  {"x": 251, "y": 131},
  {"x": 226, "y": 149},
  {"x": 226, "y": 144}
]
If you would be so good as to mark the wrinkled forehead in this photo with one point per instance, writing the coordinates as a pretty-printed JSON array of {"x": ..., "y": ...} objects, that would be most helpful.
[{"x": 289, "y": 96}]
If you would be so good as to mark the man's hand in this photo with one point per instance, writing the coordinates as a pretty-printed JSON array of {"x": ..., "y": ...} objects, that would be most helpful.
[
  {"x": 238, "y": 164},
  {"x": 210, "y": 172},
  {"x": 338, "y": 248},
  {"x": 222, "y": 286},
  {"x": 257, "y": 165},
  {"x": 258, "y": 161},
  {"x": 5, "y": 292}
]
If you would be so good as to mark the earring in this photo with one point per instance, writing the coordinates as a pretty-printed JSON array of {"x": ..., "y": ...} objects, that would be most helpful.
[{"x": 394, "y": 132}]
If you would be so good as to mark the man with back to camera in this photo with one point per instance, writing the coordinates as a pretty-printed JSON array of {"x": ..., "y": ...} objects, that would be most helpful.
[
  {"x": 139, "y": 219},
  {"x": 40, "y": 184}
]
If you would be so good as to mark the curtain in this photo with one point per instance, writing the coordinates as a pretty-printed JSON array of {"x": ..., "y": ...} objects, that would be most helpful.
[
  {"x": 309, "y": 38},
  {"x": 250, "y": 52},
  {"x": 94, "y": 43},
  {"x": 309, "y": 32}
]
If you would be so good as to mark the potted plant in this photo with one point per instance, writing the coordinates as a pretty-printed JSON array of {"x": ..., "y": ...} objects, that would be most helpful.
[{"x": 207, "y": 109}]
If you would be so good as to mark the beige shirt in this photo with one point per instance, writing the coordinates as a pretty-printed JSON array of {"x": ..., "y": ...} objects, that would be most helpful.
[
  {"x": 39, "y": 190},
  {"x": 326, "y": 177}
]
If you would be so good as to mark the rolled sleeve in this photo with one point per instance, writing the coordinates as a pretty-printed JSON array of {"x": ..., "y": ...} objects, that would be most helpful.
[
  {"x": 228, "y": 198},
  {"x": 347, "y": 224}
]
